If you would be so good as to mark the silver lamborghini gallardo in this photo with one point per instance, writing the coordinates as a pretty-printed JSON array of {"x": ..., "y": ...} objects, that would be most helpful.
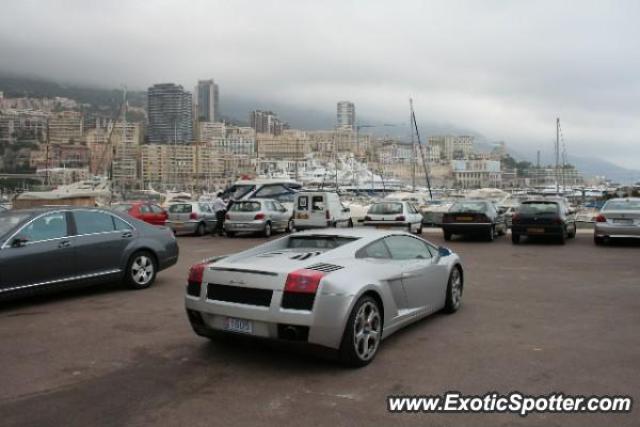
[{"x": 346, "y": 289}]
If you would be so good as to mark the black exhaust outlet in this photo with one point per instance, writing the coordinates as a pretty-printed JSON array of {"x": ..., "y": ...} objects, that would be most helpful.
[{"x": 293, "y": 333}]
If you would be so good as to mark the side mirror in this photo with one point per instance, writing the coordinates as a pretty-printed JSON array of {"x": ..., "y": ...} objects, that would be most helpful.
[
  {"x": 346, "y": 209},
  {"x": 502, "y": 211},
  {"x": 444, "y": 251},
  {"x": 19, "y": 241}
]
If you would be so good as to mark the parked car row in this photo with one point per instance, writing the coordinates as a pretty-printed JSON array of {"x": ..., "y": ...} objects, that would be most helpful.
[{"x": 544, "y": 217}]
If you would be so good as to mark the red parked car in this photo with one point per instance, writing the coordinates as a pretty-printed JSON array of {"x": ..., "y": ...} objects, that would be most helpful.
[{"x": 144, "y": 211}]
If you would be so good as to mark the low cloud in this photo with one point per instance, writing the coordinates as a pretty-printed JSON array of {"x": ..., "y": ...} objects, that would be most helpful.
[{"x": 504, "y": 69}]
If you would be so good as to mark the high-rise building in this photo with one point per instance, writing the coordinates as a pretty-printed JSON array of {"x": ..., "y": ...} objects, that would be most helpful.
[
  {"x": 267, "y": 122},
  {"x": 346, "y": 115},
  {"x": 207, "y": 101},
  {"x": 170, "y": 114}
]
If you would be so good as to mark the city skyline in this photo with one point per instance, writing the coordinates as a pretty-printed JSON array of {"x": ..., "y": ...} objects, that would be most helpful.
[{"x": 505, "y": 71}]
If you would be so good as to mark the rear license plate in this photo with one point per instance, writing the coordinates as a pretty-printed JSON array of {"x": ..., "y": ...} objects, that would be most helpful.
[
  {"x": 535, "y": 230},
  {"x": 303, "y": 216},
  {"x": 623, "y": 221},
  {"x": 464, "y": 218},
  {"x": 238, "y": 325}
]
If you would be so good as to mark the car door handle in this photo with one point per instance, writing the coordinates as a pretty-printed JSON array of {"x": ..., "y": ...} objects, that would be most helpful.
[
  {"x": 64, "y": 244},
  {"x": 127, "y": 234}
]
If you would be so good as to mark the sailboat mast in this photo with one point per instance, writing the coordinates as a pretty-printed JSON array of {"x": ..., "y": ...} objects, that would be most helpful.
[
  {"x": 557, "y": 155},
  {"x": 413, "y": 150},
  {"x": 424, "y": 161}
]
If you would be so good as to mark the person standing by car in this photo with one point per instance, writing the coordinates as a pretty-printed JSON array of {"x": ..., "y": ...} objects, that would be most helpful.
[{"x": 220, "y": 209}]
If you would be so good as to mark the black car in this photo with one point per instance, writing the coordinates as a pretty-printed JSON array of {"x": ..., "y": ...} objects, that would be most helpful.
[
  {"x": 55, "y": 248},
  {"x": 474, "y": 217},
  {"x": 551, "y": 218}
]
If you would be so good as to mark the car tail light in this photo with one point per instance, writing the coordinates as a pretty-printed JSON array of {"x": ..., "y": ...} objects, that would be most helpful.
[
  {"x": 193, "y": 215},
  {"x": 303, "y": 281},
  {"x": 400, "y": 218},
  {"x": 601, "y": 218},
  {"x": 259, "y": 216},
  {"x": 196, "y": 275},
  {"x": 515, "y": 218},
  {"x": 227, "y": 216},
  {"x": 557, "y": 221},
  {"x": 196, "y": 272},
  {"x": 327, "y": 214},
  {"x": 446, "y": 218},
  {"x": 367, "y": 218}
]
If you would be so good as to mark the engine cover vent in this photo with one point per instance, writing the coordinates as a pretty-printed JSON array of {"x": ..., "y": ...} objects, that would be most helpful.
[{"x": 325, "y": 268}]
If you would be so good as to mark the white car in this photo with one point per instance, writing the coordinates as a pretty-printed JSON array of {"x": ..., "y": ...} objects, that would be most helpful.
[
  {"x": 394, "y": 215},
  {"x": 319, "y": 209},
  {"x": 345, "y": 289}
]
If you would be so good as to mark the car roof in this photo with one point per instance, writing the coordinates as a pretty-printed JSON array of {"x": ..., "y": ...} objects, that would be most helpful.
[
  {"x": 475, "y": 201},
  {"x": 135, "y": 202},
  {"x": 41, "y": 210},
  {"x": 360, "y": 232},
  {"x": 550, "y": 201},
  {"x": 625, "y": 199},
  {"x": 302, "y": 192}
]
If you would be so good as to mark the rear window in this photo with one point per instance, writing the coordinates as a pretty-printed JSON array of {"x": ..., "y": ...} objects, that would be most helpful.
[
  {"x": 386, "y": 208},
  {"x": 181, "y": 208},
  {"x": 317, "y": 203},
  {"x": 469, "y": 207},
  {"x": 622, "y": 205},
  {"x": 319, "y": 242},
  {"x": 245, "y": 207},
  {"x": 538, "y": 208},
  {"x": 303, "y": 203},
  {"x": 9, "y": 220}
]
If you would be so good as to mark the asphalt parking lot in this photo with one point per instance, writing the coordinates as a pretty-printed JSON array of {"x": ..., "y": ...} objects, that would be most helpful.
[{"x": 536, "y": 318}]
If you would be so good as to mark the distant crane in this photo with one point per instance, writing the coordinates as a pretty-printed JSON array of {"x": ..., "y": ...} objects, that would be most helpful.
[{"x": 108, "y": 146}]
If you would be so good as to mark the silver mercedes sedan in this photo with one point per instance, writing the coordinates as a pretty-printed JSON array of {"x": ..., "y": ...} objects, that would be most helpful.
[
  {"x": 345, "y": 289},
  {"x": 618, "y": 218}
]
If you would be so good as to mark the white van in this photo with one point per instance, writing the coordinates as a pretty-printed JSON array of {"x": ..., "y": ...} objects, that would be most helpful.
[{"x": 318, "y": 209}]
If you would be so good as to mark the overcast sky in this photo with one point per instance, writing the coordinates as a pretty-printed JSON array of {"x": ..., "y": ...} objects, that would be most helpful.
[{"x": 505, "y": 69}]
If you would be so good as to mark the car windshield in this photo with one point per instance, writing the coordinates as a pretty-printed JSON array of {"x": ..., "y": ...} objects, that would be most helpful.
[
  {"x": 245, "y": 207},
  {"x": 538, "y": 208},
  {"x": 121, "y": 208},
  {"x": 318, "y": 241},
  {"x": 8, "y": 220},
  {"x": 622, "y": 205},
  {"x": 238, "y": 191},
  {"x": 386, "y": 208},
  {"x": 469, "y": 207}
]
